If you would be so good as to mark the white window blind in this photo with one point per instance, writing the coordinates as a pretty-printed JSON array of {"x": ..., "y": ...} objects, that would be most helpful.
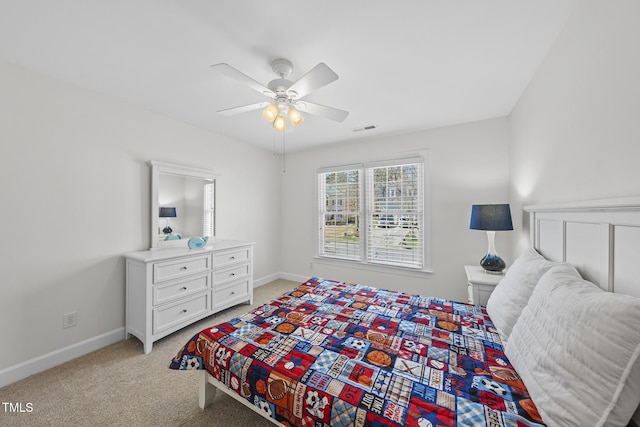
[
  {"x": 395, "y": 214},
  {"x": 339, "y": 195},
  {"x": 208, "y": 222},
  {"x": 373, "y": 213}
]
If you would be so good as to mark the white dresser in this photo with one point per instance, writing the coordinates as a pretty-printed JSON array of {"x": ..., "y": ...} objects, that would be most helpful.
[{"x": 168, "y": 289}]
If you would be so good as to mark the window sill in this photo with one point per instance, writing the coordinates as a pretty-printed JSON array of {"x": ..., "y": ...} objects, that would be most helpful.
[{"x": 390, "y": 269}]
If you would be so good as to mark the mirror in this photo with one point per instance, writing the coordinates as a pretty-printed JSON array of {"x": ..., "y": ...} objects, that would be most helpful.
[{"x": 182, "y": 204}]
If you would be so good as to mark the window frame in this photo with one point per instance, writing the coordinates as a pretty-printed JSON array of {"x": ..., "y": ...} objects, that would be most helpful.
[
  {"x": 363, "y": 262},
  {"x": 321, "y": 212}
]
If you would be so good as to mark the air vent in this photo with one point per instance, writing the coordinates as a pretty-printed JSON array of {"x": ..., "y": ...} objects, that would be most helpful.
[{"x": 368, "y": 127}]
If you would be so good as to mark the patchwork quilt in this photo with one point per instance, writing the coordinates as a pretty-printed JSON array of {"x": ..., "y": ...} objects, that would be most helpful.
[{"x": 331, "y": 353}]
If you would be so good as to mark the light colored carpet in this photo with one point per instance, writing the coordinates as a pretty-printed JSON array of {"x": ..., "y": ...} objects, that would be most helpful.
[{"x": 121, "y": 386}]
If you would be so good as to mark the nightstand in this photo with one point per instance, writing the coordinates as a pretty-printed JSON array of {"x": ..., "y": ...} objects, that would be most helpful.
[{"x": 480, "y": 284}]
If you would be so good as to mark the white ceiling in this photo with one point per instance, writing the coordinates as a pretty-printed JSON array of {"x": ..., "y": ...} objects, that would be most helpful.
[{"x": 404, "y": 65}]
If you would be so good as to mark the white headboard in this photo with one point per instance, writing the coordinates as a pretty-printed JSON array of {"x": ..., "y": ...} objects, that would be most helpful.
[{"x": 601, "y": 238}]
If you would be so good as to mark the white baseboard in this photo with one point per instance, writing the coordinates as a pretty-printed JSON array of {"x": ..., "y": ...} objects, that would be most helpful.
[
  {"x": 266, "y": 279},
  {"x": 280, "y": 275},
  {"x": 294, "y": 277},
  {"x": 41, "y": 363}
]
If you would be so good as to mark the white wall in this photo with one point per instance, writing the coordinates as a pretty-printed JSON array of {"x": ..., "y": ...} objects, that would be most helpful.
[
  {"x": 467, "y": 164},
  {"x": 575, "y": 132},
  {"x": 74, "y": 181},
  {"x": 75, "y": 196}
]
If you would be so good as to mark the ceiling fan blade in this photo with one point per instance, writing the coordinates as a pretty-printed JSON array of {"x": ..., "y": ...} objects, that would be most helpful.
[
  {"x": 229, "y": 71},
  {"x": 243, "y": 109},
  {"x": 318, "y": 76},
  {"x": 322, "y": 111}
]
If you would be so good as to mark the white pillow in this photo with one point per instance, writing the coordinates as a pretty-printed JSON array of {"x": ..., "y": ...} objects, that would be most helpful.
[
  {"x": 510, "y": 297},
  {"x": 576, "y": 348}
]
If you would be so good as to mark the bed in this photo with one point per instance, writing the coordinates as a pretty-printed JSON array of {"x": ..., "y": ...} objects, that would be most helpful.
[{"x": 562, "y": 330}]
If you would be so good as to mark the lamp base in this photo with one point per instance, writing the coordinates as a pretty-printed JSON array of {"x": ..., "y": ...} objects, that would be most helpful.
[
  {"x": 167, "y": 230},
  {"x": 493, "y": 264}
]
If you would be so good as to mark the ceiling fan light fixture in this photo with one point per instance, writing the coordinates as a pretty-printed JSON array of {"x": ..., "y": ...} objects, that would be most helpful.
[
  {"x": 270, "y": 112},
  {"x": 284, "y": 94},
  {"x": 295, "y": 117},
  {"x": 280, "y": 123}
]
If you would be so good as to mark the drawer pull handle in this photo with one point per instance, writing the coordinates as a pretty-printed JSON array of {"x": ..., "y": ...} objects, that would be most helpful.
[
  {"x": 232, "y": 293},
  {"x": 184, "y": 288},
  {"x": 184, "y": 310},
  {"x": 232, "y": 258},
  {"x": 184, "y": 268},
  {"x": 232, "y": 274}
]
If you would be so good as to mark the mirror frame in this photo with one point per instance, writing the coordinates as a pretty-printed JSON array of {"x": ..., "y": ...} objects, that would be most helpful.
[{"x": 158, "y": 168}]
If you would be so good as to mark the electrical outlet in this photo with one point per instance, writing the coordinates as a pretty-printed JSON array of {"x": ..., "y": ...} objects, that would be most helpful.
[{"x": 69, "y": 319}]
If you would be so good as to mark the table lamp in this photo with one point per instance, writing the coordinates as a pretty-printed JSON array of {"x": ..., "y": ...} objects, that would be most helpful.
[
  {"x": 491, "y": 218},
  {"x": 167, "y": 213}
]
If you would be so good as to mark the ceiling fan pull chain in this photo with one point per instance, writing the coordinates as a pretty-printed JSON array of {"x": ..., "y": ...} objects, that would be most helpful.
[
  {"x": 273, "y": 142},
  {"x": 284, "y": 153}
]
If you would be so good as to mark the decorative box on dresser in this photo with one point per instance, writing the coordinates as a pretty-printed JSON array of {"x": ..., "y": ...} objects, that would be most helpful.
[
  {"x": 170, "y": 288},
  {"x": 480, "y": 284}
]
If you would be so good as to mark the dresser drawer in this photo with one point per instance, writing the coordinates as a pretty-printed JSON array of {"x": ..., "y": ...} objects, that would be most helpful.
[
  {"x": 177, "y": 289},
  {"x": 221, "y": 276},
  {"x": 230, "y": 292},
  {"x": 171, "y": 315},
  {"x": 225, "y": 258},
  {"x": 180, "y": 267}
]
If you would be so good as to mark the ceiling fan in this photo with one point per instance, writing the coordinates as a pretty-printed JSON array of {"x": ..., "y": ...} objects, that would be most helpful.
[{"x": 286, "y": 96}]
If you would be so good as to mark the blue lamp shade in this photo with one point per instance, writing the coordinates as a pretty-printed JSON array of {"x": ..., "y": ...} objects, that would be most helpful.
[
  {"x": 491, "y": 218},
  {"x": 167, "y": 212}
]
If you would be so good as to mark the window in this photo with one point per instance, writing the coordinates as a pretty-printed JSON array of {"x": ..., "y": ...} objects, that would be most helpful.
[
  {"x": 209, "y": 198},
  {"x": 340, "y": 214},
  {"x": 394, "y": 214},
  {"x": 388, "y": 227}
]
